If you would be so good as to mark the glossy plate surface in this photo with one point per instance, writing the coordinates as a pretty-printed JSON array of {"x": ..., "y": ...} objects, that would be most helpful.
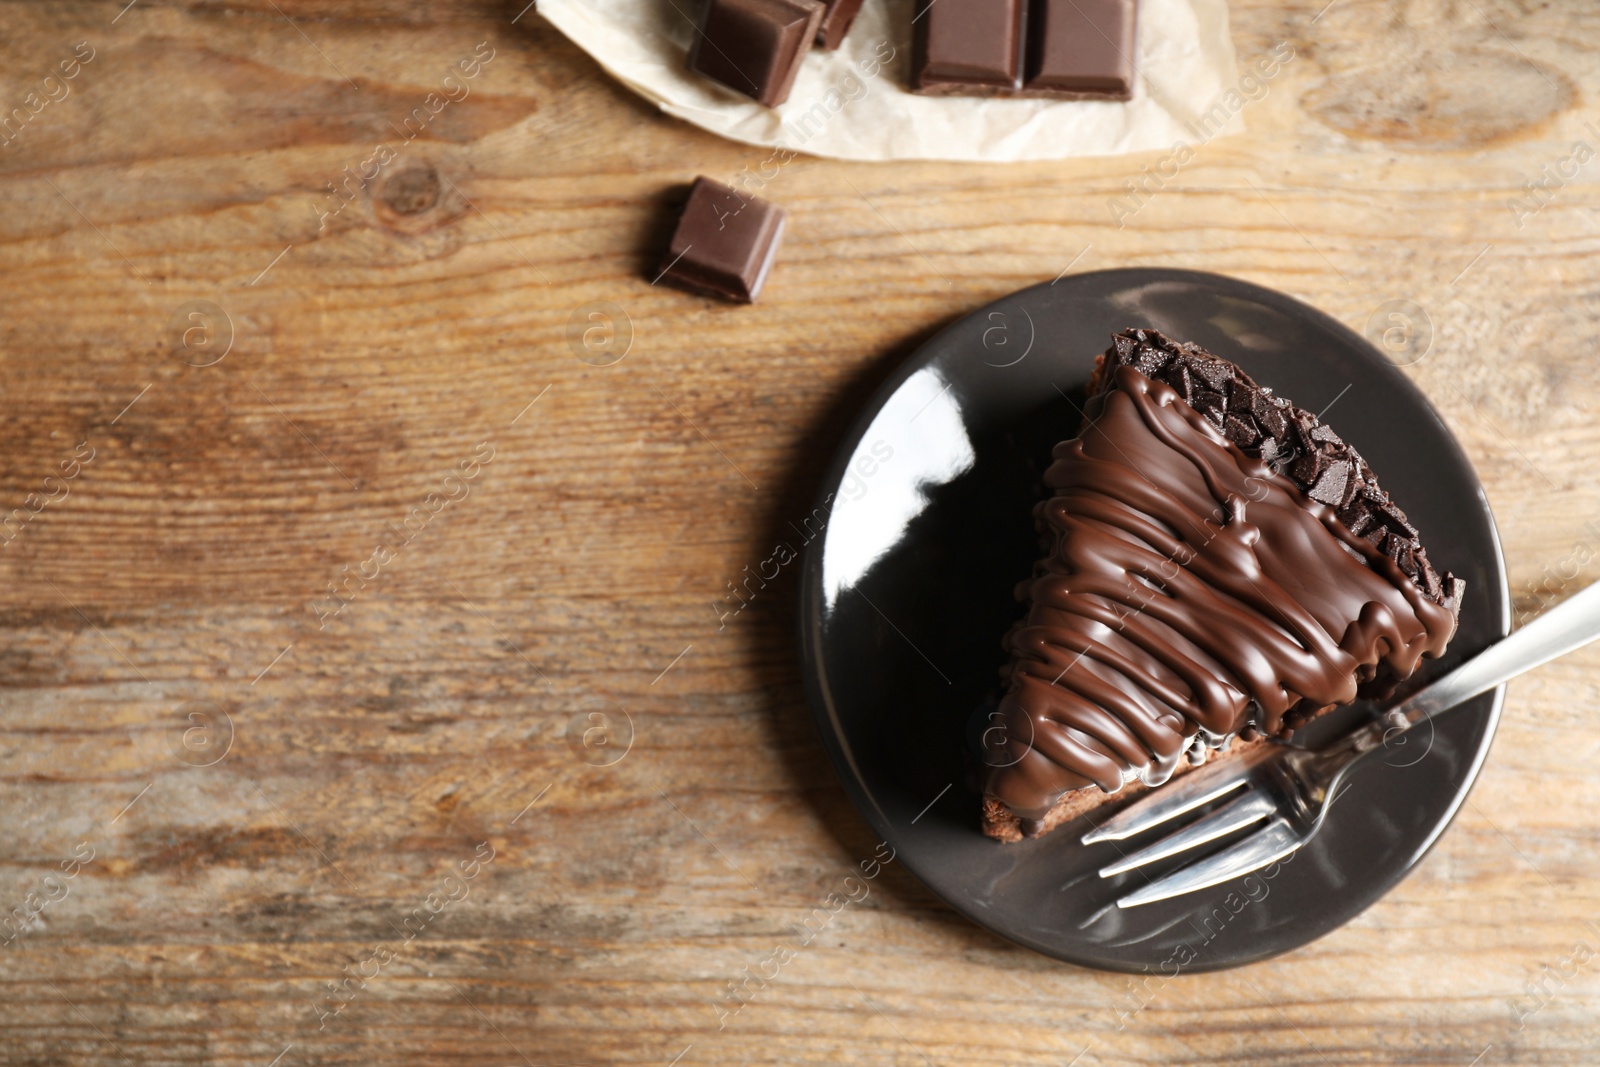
[{"x": 928, "y": 527}]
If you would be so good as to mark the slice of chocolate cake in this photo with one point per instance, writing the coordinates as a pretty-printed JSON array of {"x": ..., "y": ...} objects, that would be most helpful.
[{"x": 1222, "y": 568}]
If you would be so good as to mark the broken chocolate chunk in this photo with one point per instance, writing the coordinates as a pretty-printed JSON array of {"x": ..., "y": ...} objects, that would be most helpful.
[
  {"x": 1395, "y": 519},
  {"x": 1324, "y": 435},
  {"x": 1240, "y": 431},
  {"x": 1271, "y": 418},
  {"x": 1355, "y": 517},
  {"x": 1331, "y": 486},
  {"x": 1211, "y": 405},
  {"x": 755, "y": 46},
  {"x": 1430, "y": 579},
  {"x": 1307, "y": 468},
  {"x": 724, "y": 244},
  {"x": 1216, "y": 374},
  {"x": 836, "y": 22}
]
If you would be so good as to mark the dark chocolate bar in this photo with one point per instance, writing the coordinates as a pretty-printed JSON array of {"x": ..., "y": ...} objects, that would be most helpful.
[
  {"x": 724, "y": 244},
  {"x": 1080, "y": 48},
  {"x": 755, "y": 46},
  {"x": 1069, "y": 49},
  {"x": 969, "y": 46},
  {"x": 836, "y": 22}
]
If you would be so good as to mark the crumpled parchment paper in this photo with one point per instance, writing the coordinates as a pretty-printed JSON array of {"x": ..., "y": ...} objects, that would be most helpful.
[{"x": 855, "y": 104}]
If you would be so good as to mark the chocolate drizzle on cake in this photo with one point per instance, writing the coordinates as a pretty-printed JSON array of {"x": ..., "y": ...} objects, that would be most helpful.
[
  {"x": 1293, "y": 440},
  {"x": 1222, "y": 564}
]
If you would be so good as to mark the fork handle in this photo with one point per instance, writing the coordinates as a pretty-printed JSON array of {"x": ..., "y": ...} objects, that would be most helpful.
[{"x": 1569, "y": 625}]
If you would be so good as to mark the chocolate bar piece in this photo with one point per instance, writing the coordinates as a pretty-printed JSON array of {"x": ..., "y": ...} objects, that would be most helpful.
[
  {"x": 968, "y": 47},
  {"x": 755, "y": 46},
  {"x": 836, "y": 22},
  {"x": 724, "y": 244},
  {"x": 1068, "y": 49},
  {"x": 1080, "y": 49}
]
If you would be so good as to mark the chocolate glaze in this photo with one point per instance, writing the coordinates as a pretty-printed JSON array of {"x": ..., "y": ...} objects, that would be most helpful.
[
  {"x": 1295, "y": 441},
  {"x": 1194, "y": 592}
]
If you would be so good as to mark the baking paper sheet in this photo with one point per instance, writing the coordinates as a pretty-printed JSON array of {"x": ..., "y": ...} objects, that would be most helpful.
[{"x": 854, "y": 104}]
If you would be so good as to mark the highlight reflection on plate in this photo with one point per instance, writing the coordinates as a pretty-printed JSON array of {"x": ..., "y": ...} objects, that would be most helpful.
[{"x": 907, "y": 592}]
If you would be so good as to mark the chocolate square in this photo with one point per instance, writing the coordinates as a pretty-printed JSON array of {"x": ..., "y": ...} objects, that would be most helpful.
[
  {"x": 724, "y": 244},
  {"x": 1081, "y": 49},
  {"x": 755, "y": 46},
  {"x": 968, "y": 46},
  {"x": 836, "y": 22}
]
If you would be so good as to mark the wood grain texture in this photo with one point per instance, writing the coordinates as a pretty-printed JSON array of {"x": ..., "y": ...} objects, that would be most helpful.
[{"x": 372, "y": 755}]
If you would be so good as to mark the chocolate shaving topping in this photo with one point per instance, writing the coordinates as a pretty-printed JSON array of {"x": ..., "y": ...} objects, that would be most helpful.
[
  {"x": 1270, "y": 429},
  {"x": 1269, "y": 415},
  {"x": 1148, "y": 362},
  {"x": 1356, "y": 519},
  {"x": 1218, "y": 375},
  {"x": 1331, "y": 486},
  {"x": 1307, "y": 469},
  {"x": 1241, "y": 431},
  {"x": 1183, "y": 382},
  {"x": 1430, "y": 580}
]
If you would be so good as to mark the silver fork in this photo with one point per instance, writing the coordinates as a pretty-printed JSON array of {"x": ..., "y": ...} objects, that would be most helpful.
[{"x": 1291, "y": 789}]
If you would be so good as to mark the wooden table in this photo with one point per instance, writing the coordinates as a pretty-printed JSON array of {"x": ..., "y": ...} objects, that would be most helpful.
[{"x": 231, "y": 815}]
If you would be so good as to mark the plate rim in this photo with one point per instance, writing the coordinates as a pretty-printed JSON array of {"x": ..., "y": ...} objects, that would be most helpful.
[{"x": 809, "y": 602}]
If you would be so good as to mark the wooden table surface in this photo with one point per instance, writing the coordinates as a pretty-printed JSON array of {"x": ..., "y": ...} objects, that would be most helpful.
[{"x": 248, "y": 823}]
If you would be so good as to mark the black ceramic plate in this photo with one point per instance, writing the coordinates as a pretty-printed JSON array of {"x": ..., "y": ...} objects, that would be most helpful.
[{"x": 908, "y": 589}]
